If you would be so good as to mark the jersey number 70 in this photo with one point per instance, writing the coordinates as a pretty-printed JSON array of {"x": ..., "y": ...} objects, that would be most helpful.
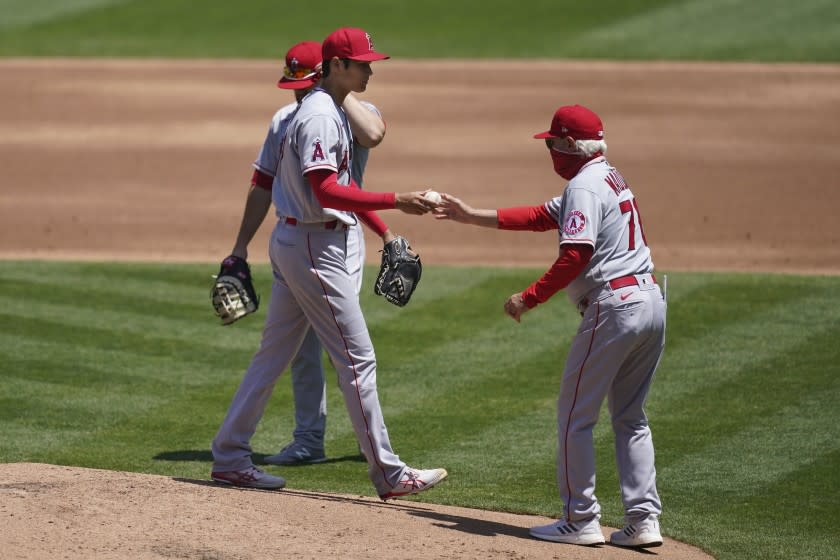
[{"x": 630, "y": 207}]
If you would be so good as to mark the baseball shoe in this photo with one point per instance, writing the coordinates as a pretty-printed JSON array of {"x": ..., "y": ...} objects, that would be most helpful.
[
  {"x": 571, "y": 532},
  {"x": 414, "y": 481},
  {"x": 643, "y": 534},
  {"x": 251, "y": 477},
  {"x": 297, "y": 453}
]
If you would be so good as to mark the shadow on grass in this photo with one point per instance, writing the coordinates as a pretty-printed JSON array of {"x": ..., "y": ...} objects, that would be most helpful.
[{"x": 204, "y": 455}]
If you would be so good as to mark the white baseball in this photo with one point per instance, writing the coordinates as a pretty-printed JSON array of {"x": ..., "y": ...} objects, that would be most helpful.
[{"x": 433, "y": 196}]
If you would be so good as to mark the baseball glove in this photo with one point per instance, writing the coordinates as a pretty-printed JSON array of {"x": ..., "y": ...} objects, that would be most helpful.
[
  {"x": 399, "y": 272},
  {"x": 233, "y": 293}
]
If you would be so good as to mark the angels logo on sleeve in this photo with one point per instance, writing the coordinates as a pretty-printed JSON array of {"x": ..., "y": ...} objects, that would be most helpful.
[
  {"x": 317, "y": 152},
  {"x": 345, "y": 162},
  {"x": 574, "y": 223}
]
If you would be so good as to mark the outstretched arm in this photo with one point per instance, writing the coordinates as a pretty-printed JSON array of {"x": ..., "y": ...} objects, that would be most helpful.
[
  {"x": 332, "y": 195},
  {"x": 455, "y": 209},
  {"x": 529, "y": 218}
]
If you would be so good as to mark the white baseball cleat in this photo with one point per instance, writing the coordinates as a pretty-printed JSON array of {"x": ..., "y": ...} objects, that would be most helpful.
[
  {"x": 643, "y": 534},
  {"x": 251, "y": 477},
  {"x": 414, "y": 481},
  {"x": 571, "y": 532}
]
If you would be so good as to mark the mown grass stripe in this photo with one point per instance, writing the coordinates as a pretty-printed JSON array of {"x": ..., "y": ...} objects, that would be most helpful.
[
  {"x": 644, "y": 29},
  {"x": 766, "y": 30},
  {"x": 732, "y": 343},
  {"x": 714, "y": 302},
  {"x": 797, "y": 438},
  {"x": 20, "y": 13},
  {"x": 118, "y": 365},
  {"x": 165, "y": 298},
  {"x": 793, "y": 518},
  {"x": 133, "y": 322},
  {"x": 771, "y": 520},
  {"x": 462, "y": 386},
  {"x": 202, "y": 352}
]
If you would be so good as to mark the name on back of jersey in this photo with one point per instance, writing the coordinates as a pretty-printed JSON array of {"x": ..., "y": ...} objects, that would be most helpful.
[{"x": 616, "y": 182}]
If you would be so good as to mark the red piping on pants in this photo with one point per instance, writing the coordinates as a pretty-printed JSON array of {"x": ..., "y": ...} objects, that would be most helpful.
[
  {"x": 349, "y": 358},
  {"x": 571, "y": 410}
]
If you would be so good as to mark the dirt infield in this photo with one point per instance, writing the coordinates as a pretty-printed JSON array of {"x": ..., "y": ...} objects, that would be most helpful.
[
  {"x": 735, "y": 167},
  {"x": 60, "y": 512}
]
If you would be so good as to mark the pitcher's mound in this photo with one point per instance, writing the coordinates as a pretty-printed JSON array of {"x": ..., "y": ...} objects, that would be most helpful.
[{"x": 50, "y": 511}]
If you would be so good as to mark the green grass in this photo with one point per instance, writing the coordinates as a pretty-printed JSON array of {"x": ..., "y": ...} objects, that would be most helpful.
[
  {"x": 123, "y": 366},
  {"x": 765, "y": 30}
]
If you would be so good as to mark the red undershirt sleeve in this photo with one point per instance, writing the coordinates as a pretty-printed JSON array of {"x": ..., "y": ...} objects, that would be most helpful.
[
  {"x": 571, "y": 262},
  {"x": 260, "y": 179},
  {"x": 332, "y": 195},
  {"x": 530, "y": 218},
  {"x": 372, "y": 220}
]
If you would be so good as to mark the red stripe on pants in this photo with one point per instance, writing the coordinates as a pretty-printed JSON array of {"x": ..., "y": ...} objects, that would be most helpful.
[
  {"x": 571, "y": 410},
  {"x": 349, "y": 358}
]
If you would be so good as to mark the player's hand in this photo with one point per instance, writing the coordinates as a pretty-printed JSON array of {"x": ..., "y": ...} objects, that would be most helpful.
[
  {"x": 414, "y": 203},
  {"x": 515, "y": 306},
  {"x": 452, "y": 208}
]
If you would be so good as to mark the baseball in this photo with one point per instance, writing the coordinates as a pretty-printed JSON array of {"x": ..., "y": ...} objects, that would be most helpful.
[{"x": 433, "y": 196}]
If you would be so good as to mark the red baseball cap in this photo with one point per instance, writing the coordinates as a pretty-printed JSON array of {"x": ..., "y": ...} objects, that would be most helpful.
[
  {"x": 576, "y": 121},
  {"x": 303, "y": 66},
  {"x": 352, "y": 43}
]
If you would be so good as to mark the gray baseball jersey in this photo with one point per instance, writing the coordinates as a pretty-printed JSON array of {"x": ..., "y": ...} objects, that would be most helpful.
[
  {"x": 268, "y": 159},
  {"x": 598, "y": 209},
  {"x": 307, "y": 372},
  {"x": 312, "y": 288},
  {"x": 617, "y": 347},
  {"x": 317, "y": 137}
]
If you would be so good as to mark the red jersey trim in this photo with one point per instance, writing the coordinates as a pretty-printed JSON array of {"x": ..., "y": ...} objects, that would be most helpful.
[
  {"x": 320, "y": 168},
  {"x": 589, "y": 242}
]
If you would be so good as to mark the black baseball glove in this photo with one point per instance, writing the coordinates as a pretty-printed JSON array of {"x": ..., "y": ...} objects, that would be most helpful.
[
  {"x": 233, "y": 295},
  {"x": 399, "y": 273}
]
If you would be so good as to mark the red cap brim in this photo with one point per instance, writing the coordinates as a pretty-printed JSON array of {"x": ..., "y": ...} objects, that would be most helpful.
[
  {"x": 296, "y": 84},
  {"x": 369, "y": 57},
  {"x": 546, "y": 134}
]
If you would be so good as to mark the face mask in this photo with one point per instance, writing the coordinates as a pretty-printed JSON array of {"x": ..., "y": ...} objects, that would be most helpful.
[{"x": 567, "y": 165}]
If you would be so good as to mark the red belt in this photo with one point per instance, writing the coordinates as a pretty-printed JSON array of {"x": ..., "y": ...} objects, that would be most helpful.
[
  {"x": 615, "y": 284},
  {"x": 332, "y": 224},
  {"x": 625, "y": 281}
]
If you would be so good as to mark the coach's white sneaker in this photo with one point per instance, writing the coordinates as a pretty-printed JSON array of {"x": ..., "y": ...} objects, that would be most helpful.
[
  {"x": 643, "y": 534},
  {"x": 414, "y": 481},
  {"x": 571, "y": 532},
  {"x": 249, "y": 478}
]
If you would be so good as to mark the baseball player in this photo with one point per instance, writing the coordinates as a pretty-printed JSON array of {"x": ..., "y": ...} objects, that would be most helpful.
[
  {"x": 604, "y": 264},
  {"x": 317, "y": 203},
  {"x": 301, "y": 74}
]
